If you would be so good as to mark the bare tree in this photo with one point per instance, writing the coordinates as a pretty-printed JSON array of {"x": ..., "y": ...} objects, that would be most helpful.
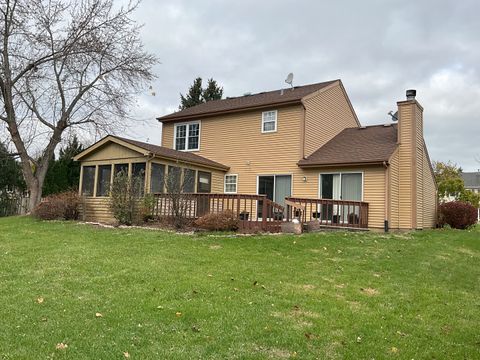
[
  {"x": 179, "y": 186},
  {"x": 66, "y": 64}
]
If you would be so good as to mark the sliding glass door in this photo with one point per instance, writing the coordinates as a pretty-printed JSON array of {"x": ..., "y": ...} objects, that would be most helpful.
[
  {"x": 340, "y": 186},
  {"x": 275, "y": 187}
]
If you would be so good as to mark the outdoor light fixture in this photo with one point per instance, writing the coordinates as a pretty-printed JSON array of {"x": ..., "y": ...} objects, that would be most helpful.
[{"x": 304, "y": 179}]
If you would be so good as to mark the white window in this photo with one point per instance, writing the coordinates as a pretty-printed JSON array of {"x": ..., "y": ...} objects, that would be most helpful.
[
  {"x": 269, "y": 121},
  {"x": 187, "y": 136},
  {"x": 231, "y": 184}
]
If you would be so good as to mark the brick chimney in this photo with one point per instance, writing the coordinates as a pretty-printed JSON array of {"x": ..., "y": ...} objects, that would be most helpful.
[{"x": 411, "y": 158}]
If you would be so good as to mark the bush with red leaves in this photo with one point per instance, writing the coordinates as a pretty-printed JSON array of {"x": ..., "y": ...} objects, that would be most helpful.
[
  {"x": 222, "y": 221},
  {"x": 62, "y": 206},
  {"x": 457, "y": 214}
]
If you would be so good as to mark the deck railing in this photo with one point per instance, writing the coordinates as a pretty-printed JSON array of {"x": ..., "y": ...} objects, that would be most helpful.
[
  {"x": 326, "y": 212},
  {"x": 254, "y": 212}
]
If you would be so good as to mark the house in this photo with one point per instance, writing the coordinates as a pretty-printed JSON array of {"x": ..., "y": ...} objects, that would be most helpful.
[
  {"x": 471, "y": 181},
  {"x": 302, "y": 148}
]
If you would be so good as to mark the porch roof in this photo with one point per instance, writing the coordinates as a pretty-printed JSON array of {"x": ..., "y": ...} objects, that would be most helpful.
[
  {"x": 156, "y": 150},
  {"x": 356, "y": 146}
]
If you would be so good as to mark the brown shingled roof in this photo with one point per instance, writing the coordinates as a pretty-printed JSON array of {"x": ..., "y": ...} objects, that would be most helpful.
[
  {"x": 174, "y": 154},
  {"x": 363, "y": 145},
  {"x": 241, "y": 103}
]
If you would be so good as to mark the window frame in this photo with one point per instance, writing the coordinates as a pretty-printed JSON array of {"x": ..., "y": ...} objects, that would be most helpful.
[
  {"x": 275, "y": 122},
  {"x": 187, "y": 124},
  {"x": 199, "y": 173},
  {"x": 340, "y": 173},
  {"x": 225, "y": 183}
]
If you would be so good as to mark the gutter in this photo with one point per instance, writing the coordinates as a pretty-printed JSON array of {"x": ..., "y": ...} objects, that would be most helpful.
[
  {"x": 377, "y": 162},
  {"x": 167, "y": 118}
]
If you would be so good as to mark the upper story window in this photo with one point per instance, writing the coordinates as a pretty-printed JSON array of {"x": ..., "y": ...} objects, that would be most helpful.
[
  {"x": 269, "y": 121},
  {"x": 187, "y": 136}
]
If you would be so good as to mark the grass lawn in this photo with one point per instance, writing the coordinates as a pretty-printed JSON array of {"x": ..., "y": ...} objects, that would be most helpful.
[{"x": 165, "y": 296}]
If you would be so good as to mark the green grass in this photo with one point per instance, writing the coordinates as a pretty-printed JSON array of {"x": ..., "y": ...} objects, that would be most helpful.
[{"x": 317, "y": 296}]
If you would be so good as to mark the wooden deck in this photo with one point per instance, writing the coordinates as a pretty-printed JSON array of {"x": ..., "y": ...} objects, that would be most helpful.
[
  {"x": 328, "y": 213},
  {"x": 255, "y": 212}
]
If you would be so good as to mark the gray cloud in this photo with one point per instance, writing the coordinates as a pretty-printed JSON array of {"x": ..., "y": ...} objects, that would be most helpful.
[{"x": 378, "y": 49}]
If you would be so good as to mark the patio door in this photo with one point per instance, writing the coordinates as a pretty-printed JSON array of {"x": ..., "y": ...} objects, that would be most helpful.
[
  {"x": 275, "y": 187},
  {"x": 340, "y": 186}
]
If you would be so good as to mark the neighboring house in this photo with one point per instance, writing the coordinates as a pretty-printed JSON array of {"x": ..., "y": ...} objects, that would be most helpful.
[
  {"x": 299, "y": 143},
  {"x": 471, "y": 181}
]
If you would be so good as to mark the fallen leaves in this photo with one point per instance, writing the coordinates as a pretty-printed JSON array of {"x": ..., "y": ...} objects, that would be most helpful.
[
  {"x": 98, "y": 315},
  {"x": 369, "y": 291},
  {"x": 39, "y": 300},
  {"x": 178, "y": 314},
  {"x": 61, "y": 346},
  {"x": 394, "y": 350},
  {"x": 126, "y": 355}
]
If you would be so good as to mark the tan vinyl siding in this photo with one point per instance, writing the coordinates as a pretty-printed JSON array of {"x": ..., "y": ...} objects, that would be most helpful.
[
  {"x": 394, "y": 192},
  {"x": 236, "y": 140},
  {"x": 429, "y": 195},
  {"x": 406, "y": 163},
  {"x": 374, "y": 194},
  {"x": 96, "y": 209},
  {"x": 326, "y": 114},
  {"x": 111, "y": 151}
]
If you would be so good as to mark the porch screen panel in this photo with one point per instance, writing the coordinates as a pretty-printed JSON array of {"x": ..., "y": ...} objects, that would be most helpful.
[
  {"x": 120, "y": 168},
  {"x": 138, "y": 172},
  {"x": 103, "y": 184},
  {"x": 188, "y": 180},
  {"x": 157, "y": 178},
  {"x": 88, "y": 180},
  {"x": 352, "y": 187},
  {"x": 174, "y": 179}
]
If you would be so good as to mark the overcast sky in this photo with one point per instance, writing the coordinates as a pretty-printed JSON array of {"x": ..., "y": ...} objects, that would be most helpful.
[{"x": 377, "y": 48}]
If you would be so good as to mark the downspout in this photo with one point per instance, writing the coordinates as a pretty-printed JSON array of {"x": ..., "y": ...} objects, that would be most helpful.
[{"x": 387, "y": 196}]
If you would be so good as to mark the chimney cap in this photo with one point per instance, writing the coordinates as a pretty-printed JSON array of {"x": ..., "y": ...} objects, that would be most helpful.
[{"x": 411, "y": 93}]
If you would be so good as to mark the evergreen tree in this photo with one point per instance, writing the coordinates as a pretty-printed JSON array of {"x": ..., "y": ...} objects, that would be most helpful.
[
  {"x": 197, "y": 95},
  {"x": 63, "y": 174},
  {"x": 213, "y": 91},
  {"x": 11, "y": 177},
  {"x": 194, "y": 95}
]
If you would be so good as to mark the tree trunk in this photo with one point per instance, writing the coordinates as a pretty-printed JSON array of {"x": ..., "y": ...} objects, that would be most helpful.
[{"x": 35, "y": 188}]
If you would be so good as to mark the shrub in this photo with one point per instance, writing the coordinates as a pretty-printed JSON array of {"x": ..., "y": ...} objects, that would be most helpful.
[
  {"x": 222, "y": 221},
  {"x": 62, "y": 206},
  {"x": 125, "y": 196},
  {"x": 457, "y": 214}
]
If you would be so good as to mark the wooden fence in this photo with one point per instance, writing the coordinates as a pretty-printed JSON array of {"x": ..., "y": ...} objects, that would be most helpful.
[
  {"x": 13, "y": 204},
  {"x": 255, "y": 212},
  {"x": 326, "y": 212}
]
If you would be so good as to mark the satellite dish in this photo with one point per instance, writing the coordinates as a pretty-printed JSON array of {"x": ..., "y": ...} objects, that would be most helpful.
[{"x": 289, "y": 79}]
